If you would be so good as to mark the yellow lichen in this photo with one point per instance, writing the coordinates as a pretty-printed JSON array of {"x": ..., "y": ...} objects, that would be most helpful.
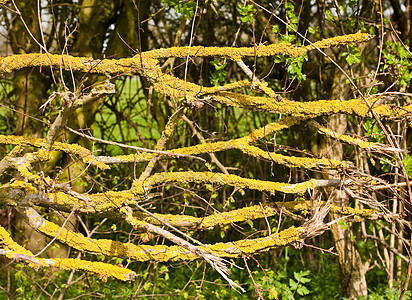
[
  {"x": 28, "y": 187},
  {"x": 9, "y": 244},
  {"x": 310, "y": 109},
  {"x": 253, "y": 246},
  {"x": 103, "y": 270},
  {"x": 346, "y": 138},
  {"x": 98, "y": 203},
  {"x": 100, "y": 268},
  {"x": 340, "y": 40},
  {"x": 11, "y": 63},
  {"x": 248, "y": 213},
  {"x": 302, "y": 206},
  {"x": 231, "y": 180},
  {"x": 85, "y": 154},
  {"x": 242, "y": 145},
  {"x": 259, "y": 51},
  {"x": 168, "y": 253}
]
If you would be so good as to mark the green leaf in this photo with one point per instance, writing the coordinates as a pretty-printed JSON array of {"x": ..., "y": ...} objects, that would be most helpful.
[
  {"x": 407, "y": 161},
  {"x": 329, "y": 16},
  {"x": 313, "y": 30},
  {"x": 246, "y": 12},
  {"x": 343, "y": 224},
  {"x": 218, "y": 77},
  {"x": 273, "y": 294},
  {"x": 302, "y": 290},
  {"x": 147, "y": 286},
  {"x": 353, "y": 56},
  {"x": 275, "y": 28},
  {"x": 287, "y": 38},
  {"x": 187, "y": 8},
  {"x": 293, "y": 284},
  {"x": 289, "y": 6},
  {"x": 301, "y": 276}
]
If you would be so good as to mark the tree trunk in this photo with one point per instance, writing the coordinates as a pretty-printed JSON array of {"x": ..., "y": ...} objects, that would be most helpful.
[{"x": 352, "y": 268}]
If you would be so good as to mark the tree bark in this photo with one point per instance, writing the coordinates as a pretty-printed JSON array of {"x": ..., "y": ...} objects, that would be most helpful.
[{"x": 352, "y": 268}]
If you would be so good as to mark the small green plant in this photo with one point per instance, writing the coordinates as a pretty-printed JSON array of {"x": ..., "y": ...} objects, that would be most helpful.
[
  {"x": 246, "y": 12},
  {"x": 385, "y": 293},
  {"x": 295, "y": 67},
  {"x": 407, "y": 161},
  {"x": 373, "y": 132},
  {"x": 353, "y": 56},
  {"x": 218, "y": 77},
  {"x": 278, "y": 285},
  {"x": 293, "y": 19},
  {"x": 398, "y": 60},
  {"x": 186, "y": 8}
]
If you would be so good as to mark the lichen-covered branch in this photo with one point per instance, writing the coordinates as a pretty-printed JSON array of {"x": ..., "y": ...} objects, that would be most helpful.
[
  {"x": 13, "y": 250},
  {"x": 162, "y": 252},
  {"x": 147, "y": 65},
  {"x": 166, "y": 134},
  {"x": 250, "y": 213},
  {"x": 214, "y": 260},
  {"x": 354, "y": 141},
  {"x": 15, "y": 62},
  {"x": 72, "y": 102},
  {"x": 20, "y": 193},
  {"x": 261, "y": 50},
  {"x": 311, "y": 109},
  {"x": 133, "y": 65},
  {"x": 84, "y": 154},
  {"x": 231, "y": 180},
  {"x": 31, "y": 189},
  {"x": 240, "y": 144}
]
